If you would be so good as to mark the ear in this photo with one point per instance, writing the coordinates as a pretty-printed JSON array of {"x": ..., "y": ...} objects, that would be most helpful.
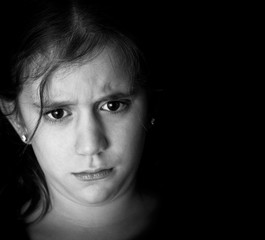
[{"x": 13, "y": 116}]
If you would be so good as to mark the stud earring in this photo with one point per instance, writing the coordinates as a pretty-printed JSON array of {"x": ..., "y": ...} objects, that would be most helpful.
[{"x": 24, "y": 138}]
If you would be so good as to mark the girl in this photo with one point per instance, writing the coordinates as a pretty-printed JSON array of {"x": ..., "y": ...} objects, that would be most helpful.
[{"x": 74, "y": 92}]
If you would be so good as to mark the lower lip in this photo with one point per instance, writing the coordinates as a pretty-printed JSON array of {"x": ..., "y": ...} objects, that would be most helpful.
[{"x": 86, "y": 177}]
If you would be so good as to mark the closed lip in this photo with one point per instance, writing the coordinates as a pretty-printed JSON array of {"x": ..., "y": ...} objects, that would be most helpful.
[
  {"x": 92, "y": 171},
  {"x": 91, "y": 175}
]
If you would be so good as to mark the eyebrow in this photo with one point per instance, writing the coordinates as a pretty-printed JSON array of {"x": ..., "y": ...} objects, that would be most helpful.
[{"x": 50, "y": 104}]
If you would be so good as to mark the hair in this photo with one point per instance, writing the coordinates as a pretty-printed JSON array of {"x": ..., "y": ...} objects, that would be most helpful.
[{"x": 46, "y": 36}]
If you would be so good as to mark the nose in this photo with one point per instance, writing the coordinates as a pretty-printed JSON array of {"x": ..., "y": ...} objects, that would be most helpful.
[{"x": 91, "y": 139}]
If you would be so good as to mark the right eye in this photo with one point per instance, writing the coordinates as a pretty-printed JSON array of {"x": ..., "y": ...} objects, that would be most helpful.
[{"x": 57, "y": 115}]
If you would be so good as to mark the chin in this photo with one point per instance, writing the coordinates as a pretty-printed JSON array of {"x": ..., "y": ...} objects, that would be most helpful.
[{"x": 97, "y": 196}]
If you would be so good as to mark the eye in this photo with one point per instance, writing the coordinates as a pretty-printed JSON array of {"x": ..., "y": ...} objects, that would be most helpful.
[
  {"x": 115, "y": 106},
  {"x": 57, "y": 114}
]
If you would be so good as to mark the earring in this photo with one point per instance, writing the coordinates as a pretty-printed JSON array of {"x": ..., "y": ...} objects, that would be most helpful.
[{"x": 24, "y": 138}]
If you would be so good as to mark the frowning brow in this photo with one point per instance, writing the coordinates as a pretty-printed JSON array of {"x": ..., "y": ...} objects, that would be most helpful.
[{"x": 53, "y": 104}]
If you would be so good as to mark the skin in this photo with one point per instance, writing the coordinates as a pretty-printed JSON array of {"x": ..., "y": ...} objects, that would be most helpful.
[{"x": 81, "y": 131}]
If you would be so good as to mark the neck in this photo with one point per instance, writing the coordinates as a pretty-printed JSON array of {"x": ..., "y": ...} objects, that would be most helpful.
[
  {"x": 100, "y": 215},
  {"x": 124, "y": 217}
]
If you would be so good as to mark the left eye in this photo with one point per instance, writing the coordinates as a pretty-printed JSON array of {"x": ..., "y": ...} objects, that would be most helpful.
[{"x": 114, "y": 106}]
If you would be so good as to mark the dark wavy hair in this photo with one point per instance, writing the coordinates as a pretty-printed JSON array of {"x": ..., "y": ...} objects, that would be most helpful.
[{"x": 41, "y": 37}]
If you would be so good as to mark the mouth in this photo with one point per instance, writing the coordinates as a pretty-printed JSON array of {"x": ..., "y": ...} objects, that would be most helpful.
[{"x": 93, "y": 175}]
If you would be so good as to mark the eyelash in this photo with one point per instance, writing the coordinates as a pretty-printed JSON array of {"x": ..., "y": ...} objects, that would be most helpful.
[{"x": 123, "y": 106}]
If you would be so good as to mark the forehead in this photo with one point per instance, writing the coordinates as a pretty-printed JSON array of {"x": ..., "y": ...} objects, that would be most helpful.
[{"x": 93, "y": 78}]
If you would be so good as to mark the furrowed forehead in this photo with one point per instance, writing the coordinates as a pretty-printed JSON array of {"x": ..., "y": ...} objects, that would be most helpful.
[
  {"x": 55, "y": 82},
  {"x": 44, "y": 66}
]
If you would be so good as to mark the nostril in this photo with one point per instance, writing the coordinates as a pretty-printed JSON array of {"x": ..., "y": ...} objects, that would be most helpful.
[{"x": 104, "y": 144}]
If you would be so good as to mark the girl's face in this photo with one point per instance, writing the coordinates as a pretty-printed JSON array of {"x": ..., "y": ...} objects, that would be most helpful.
[{"x": 90, "y": 138}]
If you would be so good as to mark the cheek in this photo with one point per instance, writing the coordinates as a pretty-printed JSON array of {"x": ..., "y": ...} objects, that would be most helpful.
[
  {"x": 50, "y": 150},
  {"x": 129, "y": 135},
  {"x": 129, "y": 140}
]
